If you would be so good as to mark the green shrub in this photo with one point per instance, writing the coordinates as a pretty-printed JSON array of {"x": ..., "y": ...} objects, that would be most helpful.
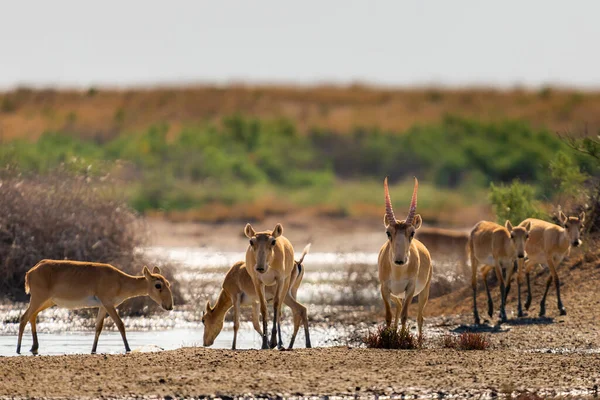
[{"x": 514, "y": 202}]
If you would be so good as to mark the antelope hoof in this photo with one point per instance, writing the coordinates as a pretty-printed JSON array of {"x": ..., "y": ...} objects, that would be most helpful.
[
  {"x": 563, "y": 311},
  {"x": 34, "y": 351},
  {"x": 308, "y": 345},
  {"x": 520, "y": 313},
  {"x": 490, "y": 311},
  {"x": 503, "y": 316},
  {"x": 477, "y": 321},
  {"x": 542, "y": 311}
]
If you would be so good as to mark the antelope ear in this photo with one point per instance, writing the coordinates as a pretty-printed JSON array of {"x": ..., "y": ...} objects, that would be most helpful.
[
  {"x": 528, "y": 226},
  {"x": 582, "y": 217},
  {"x": 278, "y": 231},
  {"x": 156, "y": 270},
  {"x": 208, "y": 309},
  {"x": 249, "y": 231},
  {"x": 417, "y": 221},
  {"x": 562, "y": 218},
  {"x": 386, "y": 223},
  {"x": 147, "y": 273},
  {"x": 508, "y": 225}
]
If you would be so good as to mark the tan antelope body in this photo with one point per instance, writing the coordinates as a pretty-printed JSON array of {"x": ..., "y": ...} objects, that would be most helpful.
[
  {"x": 494, "y": 246},
  {"x": 74, "y": 285},
  {"x": 238, "y": 290},
  {"x": 452, "y": 244},
  {"x": 270, "y": 262},
  {"x": 405, "y": 267},
  {"x": 548, "y": 245}
]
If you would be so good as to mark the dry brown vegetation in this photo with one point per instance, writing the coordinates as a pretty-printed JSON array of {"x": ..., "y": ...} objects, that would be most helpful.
[
  {"x": 65, "y": 217},
  {"x": 103, "y": 113}
]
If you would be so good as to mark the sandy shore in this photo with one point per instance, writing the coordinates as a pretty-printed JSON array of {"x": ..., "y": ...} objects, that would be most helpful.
[{"x": 194, "y": 372}]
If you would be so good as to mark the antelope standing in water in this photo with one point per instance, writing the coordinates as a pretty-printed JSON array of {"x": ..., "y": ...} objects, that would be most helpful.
[
  {"x": 74, "y": 285},
  {"x": 270, "y": 262},
  {"x": 495, "y": 246},
  {"x": 548, "y": 245},
  {"x": 238, "y": 290},
  {"x": 404, "y": 263}
]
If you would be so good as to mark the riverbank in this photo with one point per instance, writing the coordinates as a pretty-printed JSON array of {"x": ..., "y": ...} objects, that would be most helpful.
[{"x": 343, "y": 371}]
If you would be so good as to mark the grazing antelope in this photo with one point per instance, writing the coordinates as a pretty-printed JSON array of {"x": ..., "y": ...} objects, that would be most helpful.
[
  {"x": 270, "y": 262},
  {"x": 495, "y": 246},
  {"x": 548, "y": 245},
  {"x": 404, "y": 263},
  {"x": 238, "y": 290},
  {"x": 452, "y": 244},
  {"x": 74, "y": 285}
]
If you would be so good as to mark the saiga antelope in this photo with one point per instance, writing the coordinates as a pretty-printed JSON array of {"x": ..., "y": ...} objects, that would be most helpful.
[
  {"x": 548, "y": 245},
  {"x": 404, "y": 263},
  {"x": 448, "y": 243},
  {"x": 270, "y": 262},
  {"x": 238, "y": 290},
  {"x": 495, "y": 246},
  {"x": 74, "y": 285}
]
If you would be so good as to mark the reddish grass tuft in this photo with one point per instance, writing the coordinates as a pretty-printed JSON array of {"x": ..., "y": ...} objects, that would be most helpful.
[
  {"x": 390, "y": 338},
  {"x": 466, "y": 341}
]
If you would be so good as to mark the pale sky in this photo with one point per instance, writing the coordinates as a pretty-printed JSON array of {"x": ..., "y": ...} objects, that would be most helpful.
[{"x": 399, "y": 43}]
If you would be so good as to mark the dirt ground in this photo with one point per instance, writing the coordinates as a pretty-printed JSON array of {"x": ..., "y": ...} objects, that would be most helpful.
[{"x": 555, "y": 356}]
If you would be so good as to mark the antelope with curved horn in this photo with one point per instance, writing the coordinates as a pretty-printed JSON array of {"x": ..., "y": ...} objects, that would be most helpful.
[
  {"x": 548, "y": 245},
  {"x": 405, "y": 267},
  {"x": 238, "y": 290},
  {"x": 75, "y": 284},
  {"x": 270, "y": 262},
  {"x": 496, "y": 247}
]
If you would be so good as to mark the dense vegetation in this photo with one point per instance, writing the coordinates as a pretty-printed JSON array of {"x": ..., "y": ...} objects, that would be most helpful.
[{"x": 244, "y": 160}]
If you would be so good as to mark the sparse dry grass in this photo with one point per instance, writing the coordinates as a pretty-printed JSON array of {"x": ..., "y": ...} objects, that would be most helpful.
[
  {"x": 390, "y": 338},
  {"x": 102, "y": 114},
  {"x": 466, "y": 341}
]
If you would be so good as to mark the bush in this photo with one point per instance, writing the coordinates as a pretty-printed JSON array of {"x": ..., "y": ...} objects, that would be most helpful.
[
  {"x": 466, "y": 341},
  {"x": 390, "y": 338},
  {"x": 515, "y": 202},
  {"x": 66, "y": 217}
]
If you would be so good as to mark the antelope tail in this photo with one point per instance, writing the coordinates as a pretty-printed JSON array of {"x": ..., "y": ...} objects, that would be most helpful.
[
  {"x": 27, "y": 283},
  {"x": 304, "y": 253}
]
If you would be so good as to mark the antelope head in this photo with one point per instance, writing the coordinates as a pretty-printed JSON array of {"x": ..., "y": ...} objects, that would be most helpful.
[
  {"x": 213, "y": 324},
  {"x": 159, "y": 288},
  {"x": 400, "y": 233},
  {"x": 262, "y": 245},
  {"x": 573, "y": 227},
  {"x": 518, "y": 237}
]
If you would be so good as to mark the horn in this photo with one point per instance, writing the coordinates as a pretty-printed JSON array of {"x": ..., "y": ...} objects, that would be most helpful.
[
  {"x": 413, "y": 204},
  {"x": 389, "y": 212}
]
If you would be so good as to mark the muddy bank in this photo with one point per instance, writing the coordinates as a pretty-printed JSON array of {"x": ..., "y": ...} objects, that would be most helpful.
[{"x": 334, "y": 371}]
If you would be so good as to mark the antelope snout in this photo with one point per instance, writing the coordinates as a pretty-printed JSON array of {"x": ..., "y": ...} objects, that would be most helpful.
[
  {"x": 521, "y": 255},
  {"x": 260, "y": 269},
  {"x": 168, "y": 307},
  {"x": 576, "y": 243},
  {"x": 400, "y": 262}
]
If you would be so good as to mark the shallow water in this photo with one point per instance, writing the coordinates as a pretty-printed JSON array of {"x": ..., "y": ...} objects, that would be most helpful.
[
  {"x": 110, "y": 342},
  {"x": 330, "y": 279}
]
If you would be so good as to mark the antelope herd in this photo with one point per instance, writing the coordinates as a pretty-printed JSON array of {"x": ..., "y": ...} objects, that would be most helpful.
[{"x": 269, "y": 273}]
